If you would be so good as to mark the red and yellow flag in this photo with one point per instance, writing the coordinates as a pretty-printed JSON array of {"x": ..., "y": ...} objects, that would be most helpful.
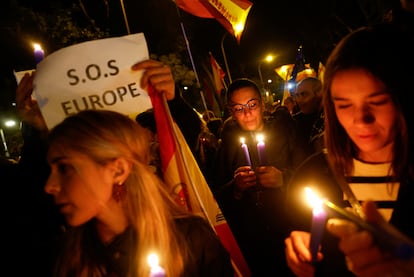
[
  {"x": 187, "y": 183},
  {"x": 194, "y": 7},
  {"x": 321, "y": 71},
  {"x": 285, "y": 72},
  {"x": 232, "y": 14},
  {"x": 218, "y": 75},
  {"x": 307, "y": 72}
]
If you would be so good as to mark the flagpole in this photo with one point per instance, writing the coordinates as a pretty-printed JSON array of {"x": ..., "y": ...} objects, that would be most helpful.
[
  {"x": 225, "y": 57},
  {"x": 125, "y": 17},
  {"x": 187, "y": 44}
]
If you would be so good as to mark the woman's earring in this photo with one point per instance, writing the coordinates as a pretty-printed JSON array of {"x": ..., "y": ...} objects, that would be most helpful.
[{"x": 118, "y": 192}]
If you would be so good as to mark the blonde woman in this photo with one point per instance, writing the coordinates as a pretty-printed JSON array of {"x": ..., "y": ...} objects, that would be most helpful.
[{"x": 117, "y": 208}]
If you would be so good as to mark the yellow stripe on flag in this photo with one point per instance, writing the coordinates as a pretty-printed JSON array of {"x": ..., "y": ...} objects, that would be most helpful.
[{"x": 186, "y": 181}]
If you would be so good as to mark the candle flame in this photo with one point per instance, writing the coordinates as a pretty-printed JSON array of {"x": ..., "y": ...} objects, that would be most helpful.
[
  {"x": 242, "y": 140},
  {"x": 153, "y": 260},
  {"x": 260, "y": 137},
  {"x": 313, "y": 198},
  {"x": 37, "y": 46}
]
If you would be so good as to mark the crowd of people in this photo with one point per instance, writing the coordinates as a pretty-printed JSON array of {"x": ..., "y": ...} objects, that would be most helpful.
[{"x": 94, "y": 203}]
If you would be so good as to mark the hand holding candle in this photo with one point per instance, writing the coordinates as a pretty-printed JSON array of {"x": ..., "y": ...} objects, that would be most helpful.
[
  {"x": 319, "y": 217},
  {"x": 156, "y": 270},
  {"x": 245, "y": 151},
  {"x": 261, "y": 149},
  {"x": 385, "y": 235}
]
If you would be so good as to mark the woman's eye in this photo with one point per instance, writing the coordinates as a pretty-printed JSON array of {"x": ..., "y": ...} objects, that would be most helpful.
[
  {"x": 343, "y": 106},
  {"x": 380, "y": 102},
  {"x": 64, "y": 168}
]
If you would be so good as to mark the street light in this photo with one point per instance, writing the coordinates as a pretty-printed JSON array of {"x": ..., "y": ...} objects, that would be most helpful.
[
  {"x": 8, "y": 124},
  {"x": 268, "y": 59}
]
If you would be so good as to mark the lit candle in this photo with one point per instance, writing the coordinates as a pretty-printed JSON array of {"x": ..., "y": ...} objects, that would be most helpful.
[
  {"x": 319, "y": 216},
  {"x": 245, "y": 151},
  {"x": 261, "y": 149},
  {"x": 39, "y": 54},
  {"x": 156, "y": 269}
]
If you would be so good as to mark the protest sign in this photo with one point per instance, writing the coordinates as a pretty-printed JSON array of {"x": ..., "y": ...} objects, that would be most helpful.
[{"x": 92, "y": 75}]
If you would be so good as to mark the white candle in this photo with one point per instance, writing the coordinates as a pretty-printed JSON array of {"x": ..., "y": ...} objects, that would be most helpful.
[
  {"x": 156, "y": 269},
  {"x": 245, "y": 151}
]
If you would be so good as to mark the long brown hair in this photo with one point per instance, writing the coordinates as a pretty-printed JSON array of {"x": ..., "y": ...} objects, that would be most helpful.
[{"x": 386, "y": 53}]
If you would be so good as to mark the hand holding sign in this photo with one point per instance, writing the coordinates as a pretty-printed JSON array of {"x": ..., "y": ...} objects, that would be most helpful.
[
  {"x": 158, "y": 75},
  {"x": 92, "y": 75},
  {"x": 27, "y": 107}
]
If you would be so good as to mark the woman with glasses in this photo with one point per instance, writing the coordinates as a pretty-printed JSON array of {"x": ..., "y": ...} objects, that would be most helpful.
[{"x": 250, "y": 185}]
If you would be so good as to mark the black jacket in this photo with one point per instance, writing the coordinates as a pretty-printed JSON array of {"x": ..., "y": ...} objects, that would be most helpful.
[
  {"x": 257, "y": 219},
  {"x": 206, "y": 256}
]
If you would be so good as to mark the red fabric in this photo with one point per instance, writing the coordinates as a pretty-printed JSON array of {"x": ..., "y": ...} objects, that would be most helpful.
[
  {"x": 229, "y": 13},
  {"x": 187, "y": 183},
  {"x": 194, "y": 7},
  {"x": 218, "y": 75}
]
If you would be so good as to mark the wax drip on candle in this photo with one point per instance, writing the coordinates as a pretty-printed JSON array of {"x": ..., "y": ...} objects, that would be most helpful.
[{"x": 245, "y": 151}]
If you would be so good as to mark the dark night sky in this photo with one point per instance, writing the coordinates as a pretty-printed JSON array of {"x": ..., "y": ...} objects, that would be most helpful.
[{"x": 276, "y": 27}]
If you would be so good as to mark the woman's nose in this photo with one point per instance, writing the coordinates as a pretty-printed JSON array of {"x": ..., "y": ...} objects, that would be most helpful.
[
  {"x": 363, "y": 115},
  {"x": 52, "y": 186}
]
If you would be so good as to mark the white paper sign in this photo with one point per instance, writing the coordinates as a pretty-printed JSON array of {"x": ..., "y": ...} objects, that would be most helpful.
[
  {"x": 20, "y": 74},
  {"x": 92, "y": 75}
]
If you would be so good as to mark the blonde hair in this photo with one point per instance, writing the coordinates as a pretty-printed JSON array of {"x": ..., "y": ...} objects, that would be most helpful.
[{"x": 105, "y": 136}]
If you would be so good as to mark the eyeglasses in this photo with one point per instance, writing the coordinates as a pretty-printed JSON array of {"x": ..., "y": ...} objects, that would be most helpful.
[{"x": 252, "y": 104}]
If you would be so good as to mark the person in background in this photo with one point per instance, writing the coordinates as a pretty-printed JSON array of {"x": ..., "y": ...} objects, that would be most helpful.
[
  {"x": 204, "y": 148},
  {"x": 291, "y": 105},
  {"x": 310, "y": 118},
  {"x": 368, "y": 134},
  {"x": 251, "y": 196},
  {"x": 117, "y": 209}
]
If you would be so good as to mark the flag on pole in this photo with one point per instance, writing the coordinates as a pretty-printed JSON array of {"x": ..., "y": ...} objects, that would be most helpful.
[
  {"x": 187, "y": 183},
  {"x": 307, "y": 72},
  {"x": 232, "y": 14},
  {"x": 285, "y": 72},
  {"x": 218, "y": 75},
  {"x": 299, "y": 64},
  {"x": 194, "y": 7},
  {"x": 321, "y": 71}
]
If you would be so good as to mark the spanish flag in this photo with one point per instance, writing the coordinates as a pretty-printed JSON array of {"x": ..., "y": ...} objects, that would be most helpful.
[
  {"x": 186, "y": 181},
  {"x": 285, "y": 72},
  {"x": 232, "y": 14},
  {"x": 194, "y": 7},
  {"x": 218, "y": 75}
]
